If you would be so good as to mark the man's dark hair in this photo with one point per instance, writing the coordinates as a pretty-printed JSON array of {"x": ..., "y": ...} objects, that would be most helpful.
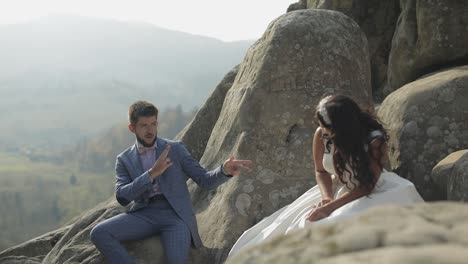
[{"x": 141, "y": 109}]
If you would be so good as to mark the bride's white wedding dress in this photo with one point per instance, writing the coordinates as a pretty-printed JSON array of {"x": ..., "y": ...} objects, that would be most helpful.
[{"x": 390, "y": 189}]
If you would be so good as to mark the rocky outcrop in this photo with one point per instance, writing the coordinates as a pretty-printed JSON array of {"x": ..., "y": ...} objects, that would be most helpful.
[
  {"x": 267, "y": 116},
  {"x": 407, "y": 38},
  {"x": 429, "y": 36},
  {"x": 426, "y": 120},
  {"x": 75, "y": 246},
  {"x": 377, "y": 19},
  {"x": 301, "y": 4},
  {"x": 196, "y": 134},
  {"x": 421, "y": 233},
  {"x": 71, "y": 244},
  {"x": 451, "y": 175},
  {"x": 33, "y": 250}
]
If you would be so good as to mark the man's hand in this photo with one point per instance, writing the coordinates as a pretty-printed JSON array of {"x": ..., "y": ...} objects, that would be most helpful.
[
  {"x": 161, "y": 164},
  {"x": 319, "y": 212},
  {"x": 234, "y": 167}
]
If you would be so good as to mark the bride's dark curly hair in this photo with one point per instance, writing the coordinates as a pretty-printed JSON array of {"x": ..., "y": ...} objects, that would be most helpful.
[{"x": 350, "y": 130}]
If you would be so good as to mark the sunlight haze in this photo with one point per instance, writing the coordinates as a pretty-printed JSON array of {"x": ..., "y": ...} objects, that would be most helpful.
[{"x": 221, "y": 19}]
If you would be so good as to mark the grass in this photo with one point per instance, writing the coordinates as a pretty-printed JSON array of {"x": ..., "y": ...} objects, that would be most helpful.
[
  {"x": 40, "y": 196},
  {"x": 21, "y": 165}
]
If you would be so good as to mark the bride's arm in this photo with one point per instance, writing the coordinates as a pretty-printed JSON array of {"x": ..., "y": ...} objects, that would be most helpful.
[
  {"x": 323, "y": 178},
  {"x": 379, "y": 148},
  {"x": 347, "y": 198}
]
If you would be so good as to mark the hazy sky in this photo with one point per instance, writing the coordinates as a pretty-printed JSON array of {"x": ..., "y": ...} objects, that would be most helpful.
[{"x": 223, "y": 19}]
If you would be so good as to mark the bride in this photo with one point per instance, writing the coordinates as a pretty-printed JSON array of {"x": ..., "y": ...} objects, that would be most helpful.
[{"x": 349, "y": 151}]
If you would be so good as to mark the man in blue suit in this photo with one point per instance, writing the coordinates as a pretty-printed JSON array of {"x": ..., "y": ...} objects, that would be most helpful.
[{"x": 153, "y": 173}]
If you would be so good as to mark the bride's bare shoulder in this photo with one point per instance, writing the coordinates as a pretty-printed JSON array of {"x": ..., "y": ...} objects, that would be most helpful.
[{"x": 318, "y": 131}]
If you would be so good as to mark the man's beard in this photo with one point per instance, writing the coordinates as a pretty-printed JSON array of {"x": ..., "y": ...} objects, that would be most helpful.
[{"x": 142, "y": 142}]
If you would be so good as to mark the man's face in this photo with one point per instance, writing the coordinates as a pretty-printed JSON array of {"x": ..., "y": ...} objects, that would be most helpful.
[{"x": 145, "y": 130}]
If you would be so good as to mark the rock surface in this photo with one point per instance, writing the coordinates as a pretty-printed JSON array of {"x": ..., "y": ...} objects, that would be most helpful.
[
  {"x": 301, "y": 4},
  {"x": 424, "y": 233},
  {"x": 451, "y": 175},
  {"x": 377, "y": 19},
  {"x": 429, "y": 36},
  {"x": 34, "y": 250},
  {"x": 427, "y": 120}
]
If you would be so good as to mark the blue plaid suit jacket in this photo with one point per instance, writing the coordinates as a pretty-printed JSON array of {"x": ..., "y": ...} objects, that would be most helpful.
[{"x": 134, "y": 184}]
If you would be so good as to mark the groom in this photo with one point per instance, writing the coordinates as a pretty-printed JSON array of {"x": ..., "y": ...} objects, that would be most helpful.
[{"x": 153, "y": 173}]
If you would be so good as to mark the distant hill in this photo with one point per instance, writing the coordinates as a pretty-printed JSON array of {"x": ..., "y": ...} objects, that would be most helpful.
[{"x": 64, "y": 77}]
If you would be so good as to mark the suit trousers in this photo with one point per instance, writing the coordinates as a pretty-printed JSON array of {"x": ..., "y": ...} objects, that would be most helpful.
[{"x": 157, "y": 218}]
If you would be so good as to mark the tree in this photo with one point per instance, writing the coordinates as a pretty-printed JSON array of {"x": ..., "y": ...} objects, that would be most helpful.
[{"x": 73, "y": 179}]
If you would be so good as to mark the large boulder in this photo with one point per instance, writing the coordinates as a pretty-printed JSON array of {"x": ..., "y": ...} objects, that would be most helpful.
[
  {"x": 196, "y": 134},
  {"x": 429, "y": 35},
  {"x": 267, "y": 117},
  {"x": 451, "y": 175},
  {"x": 427, "y": 120},
  {"x": 377, "y": 19},
  {"x": 424, "y": 233}
]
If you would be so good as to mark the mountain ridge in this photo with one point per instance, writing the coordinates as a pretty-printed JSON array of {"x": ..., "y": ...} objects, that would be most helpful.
[{"x": 51, "y": 67}]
